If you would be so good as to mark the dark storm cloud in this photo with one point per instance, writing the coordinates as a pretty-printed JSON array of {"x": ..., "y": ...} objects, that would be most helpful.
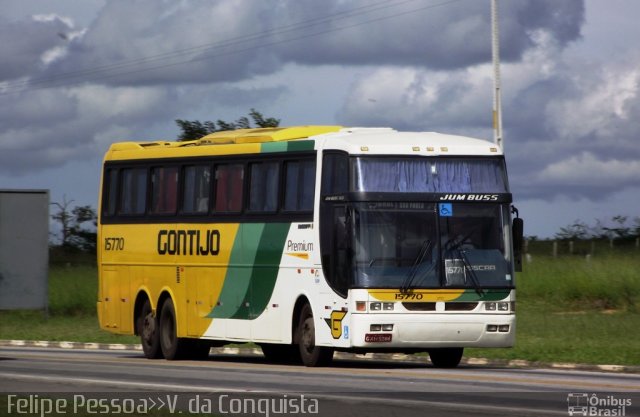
[
  {"x": 526, "y": 113},
  {"x": 439, "y": 35},
  {"x": 48, "y": 128},
  {"x": 22, "y": 44},
  {"x": 200, "y": 41},
  {"x": 156, "y": 57},
  {"x": 570, "y": 127}
]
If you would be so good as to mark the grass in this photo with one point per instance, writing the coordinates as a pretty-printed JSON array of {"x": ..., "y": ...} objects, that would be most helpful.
[
  {"x": 72, "y": 311},
  {"x": 545, "y": 334},
  {"x": 575, "y": 283},
  {"x": 72, "y": 290},
  {"x": 33, "y": 325},
  {"x": 568, "y": 310}
]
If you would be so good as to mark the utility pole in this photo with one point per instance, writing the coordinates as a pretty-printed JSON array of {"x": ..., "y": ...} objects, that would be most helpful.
[{"x": 497, "y": 100}]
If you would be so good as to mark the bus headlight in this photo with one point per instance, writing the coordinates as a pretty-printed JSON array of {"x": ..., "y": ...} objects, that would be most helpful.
[
  {"x": 376, "y": 306},
  {"x": 499, "y": 306},
  {"x": 387, "y": 306}
]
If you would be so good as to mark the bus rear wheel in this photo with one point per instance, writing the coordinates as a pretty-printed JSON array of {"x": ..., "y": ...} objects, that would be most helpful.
[
  {"x": 446, "y": 357},
  {"x": 311, "y": 354},
  {"x": 172, "y": 346},
  {"x": 148, "y": 328}
]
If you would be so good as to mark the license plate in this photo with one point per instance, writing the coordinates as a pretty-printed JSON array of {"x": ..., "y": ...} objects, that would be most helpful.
[{"x": 377, "y": 338}]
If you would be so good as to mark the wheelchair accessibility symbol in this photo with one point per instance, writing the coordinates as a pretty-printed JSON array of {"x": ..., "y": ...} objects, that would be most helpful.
[{"x": 445, "y": 209}]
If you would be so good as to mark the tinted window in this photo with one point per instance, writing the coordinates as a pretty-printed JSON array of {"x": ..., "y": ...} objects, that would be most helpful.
[
  {"x": 335, "y": 174},
  {"x": 164, "y": 190},
  {"x": 263, "y": 194},
  {"x": 134, "y": 191},
  {"x": 229, "y": 185},
  {"x": 300, "y": 182},
  {"x": 111, "y": 194},
  {"x": 197, "y": 187}
]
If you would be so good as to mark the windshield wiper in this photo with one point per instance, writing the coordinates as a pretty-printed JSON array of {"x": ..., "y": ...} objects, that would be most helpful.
[
  {"x": 424, "y": 249},
  {"x": 454, "y": 243},
  {"x": 472, "y": 274}
]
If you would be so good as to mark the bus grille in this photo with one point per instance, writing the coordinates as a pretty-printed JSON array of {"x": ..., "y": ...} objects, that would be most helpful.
[{"x": 419, "y": 306}]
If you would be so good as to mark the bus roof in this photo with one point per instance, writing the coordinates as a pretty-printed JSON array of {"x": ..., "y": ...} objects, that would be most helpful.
[
  {"x": 361, "y": 141},
  {"x": 386, "y": 141}
]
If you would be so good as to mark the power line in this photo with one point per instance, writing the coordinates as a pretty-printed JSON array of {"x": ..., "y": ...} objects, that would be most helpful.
[
  {"x": 217, "y": 48},
  {"x": 215, "y": 45}
]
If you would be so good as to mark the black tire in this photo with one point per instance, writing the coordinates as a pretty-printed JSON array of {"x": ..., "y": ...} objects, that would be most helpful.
[
  {"x": 310, "y": 354},
  {"x": 446, "y": 357},
  {"x": 148, "y": 328},
  {"x": 172, "y": 346},
  {"x": 281, "y": 353}
]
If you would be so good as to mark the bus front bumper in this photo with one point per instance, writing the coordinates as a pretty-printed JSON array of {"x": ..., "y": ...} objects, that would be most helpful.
[{"x": 433, "y": 330}]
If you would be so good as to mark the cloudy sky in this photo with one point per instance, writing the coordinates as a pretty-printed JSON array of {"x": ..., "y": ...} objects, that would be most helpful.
[{"x": 77, "y": 75}]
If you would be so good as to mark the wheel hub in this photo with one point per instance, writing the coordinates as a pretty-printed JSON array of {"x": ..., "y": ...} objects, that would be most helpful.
[
  {"x": 307, "y": 338},
  {"x": 149, "y": 327}
]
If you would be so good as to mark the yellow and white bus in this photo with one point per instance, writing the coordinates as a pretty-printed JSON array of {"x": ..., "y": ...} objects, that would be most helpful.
[{"x": 306, "y": 240}]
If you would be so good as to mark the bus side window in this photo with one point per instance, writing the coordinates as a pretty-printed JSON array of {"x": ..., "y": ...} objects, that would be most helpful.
[
  {"x": 335, "y": 174},
  {"x": 334, "y": 246},
  {"x": 133, "y": 193},
  {"x": 110, "y": 196},
  {"x": 197, "y": 187},
  {"x": 164, "y": 190},
  {"x": 263, "y": 188},
  {"x": 229, "y": 186},
  {"x": 300, "y": 182}
]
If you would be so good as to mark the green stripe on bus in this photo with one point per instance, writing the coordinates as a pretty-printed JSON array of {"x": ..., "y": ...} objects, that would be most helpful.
[
  {"x": 253, "y": 270},
  {"x": 287, "y": 146},
  {"x": 238, "y": 277},
  {"x": 267, "y": 266},
  {"x": 488, "y": 295},
  {"x": 301, "y": 145}
]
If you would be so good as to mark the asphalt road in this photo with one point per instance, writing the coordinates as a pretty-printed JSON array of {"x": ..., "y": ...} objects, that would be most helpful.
[{"x": 227, "y": 383}]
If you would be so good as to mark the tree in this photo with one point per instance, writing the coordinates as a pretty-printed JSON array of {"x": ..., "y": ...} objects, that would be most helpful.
[
  {"x": 74, "y": 233},
  {"x": 195, "y": 129},
  {"x": 619, "y": 230},
  {"x": 576, "y": 231}
]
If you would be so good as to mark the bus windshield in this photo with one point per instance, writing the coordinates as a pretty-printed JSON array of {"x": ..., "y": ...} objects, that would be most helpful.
[
  {"x": 413, "y": 245},
  {"x": 429, "y": 175}
]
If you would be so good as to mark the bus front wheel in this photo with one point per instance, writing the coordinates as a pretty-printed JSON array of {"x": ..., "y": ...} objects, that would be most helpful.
[
  {"x": 446, "y": 357},
  {"x": 311, "y": 354},
  {"x": 148, "y": 328}
]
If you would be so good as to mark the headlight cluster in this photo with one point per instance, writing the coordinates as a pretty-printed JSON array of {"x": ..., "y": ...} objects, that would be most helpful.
[
  {"x": 374, "y": 306},
  {"x": 381, "y": 328},
  {"x": 500, "y": 306},
  {"x": 502, "y": 328}
]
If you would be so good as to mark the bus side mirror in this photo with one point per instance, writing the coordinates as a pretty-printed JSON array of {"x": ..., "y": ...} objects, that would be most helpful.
[{"x": 518, "y": 242}]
